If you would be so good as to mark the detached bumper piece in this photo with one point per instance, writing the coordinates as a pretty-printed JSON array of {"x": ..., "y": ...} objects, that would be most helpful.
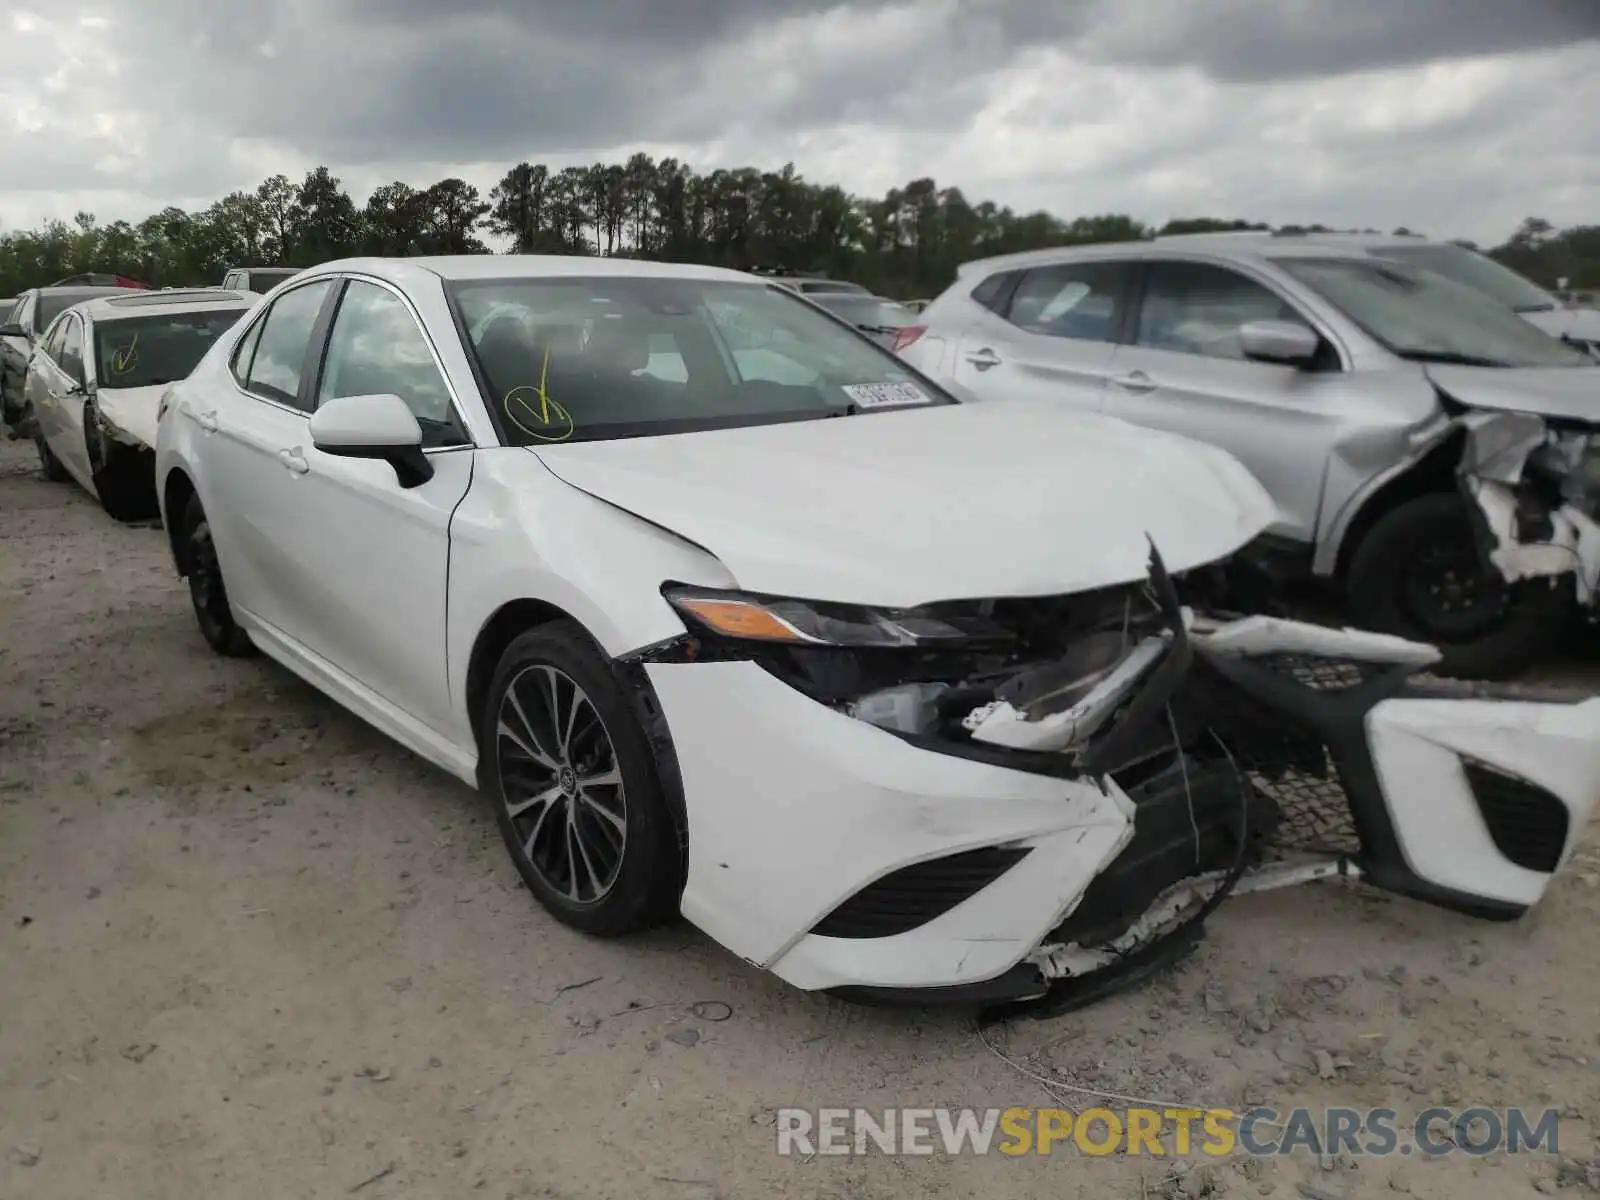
[{"x": 1467, "y": 798}]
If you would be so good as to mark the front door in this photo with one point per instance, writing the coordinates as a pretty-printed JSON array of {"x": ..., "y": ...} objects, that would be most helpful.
[{"x": 1183, "y": 370}]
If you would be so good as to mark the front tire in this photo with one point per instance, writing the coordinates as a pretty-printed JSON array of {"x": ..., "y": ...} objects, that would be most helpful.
[
  {"x": 48, "y": 462},
  {"x": 573, "y": 781},
  {"x": 1417, "y": 574},
  {"x": 206, "y": 590}
]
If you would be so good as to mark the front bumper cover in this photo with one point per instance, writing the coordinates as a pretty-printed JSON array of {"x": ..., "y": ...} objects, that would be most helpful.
[{"x": 1467, "y": 797}]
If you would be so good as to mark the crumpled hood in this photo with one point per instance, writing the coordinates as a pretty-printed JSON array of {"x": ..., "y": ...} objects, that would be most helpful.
[
  {"x": 1583, "y": 324},
  {"x": 1569, "y": 392},
  {"x": 132, "y": 411},
  {"x": 941, "y": 503}
]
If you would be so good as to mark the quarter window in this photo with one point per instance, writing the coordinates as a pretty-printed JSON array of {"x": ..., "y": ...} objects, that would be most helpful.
[
  {"x": 1071, "y": 300},
  {"x": 280, "y": 349},
  {"x": 1196, "y": 308},
  {"x": 377, "y": 348}
]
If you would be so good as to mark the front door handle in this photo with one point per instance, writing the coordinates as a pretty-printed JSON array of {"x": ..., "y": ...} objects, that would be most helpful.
[
  {"x": 295, "y": 460},
  {"x": 208, "y": 420},
  {"x": 984, "y": 359},
  {"x": 1135, "y": 381}
]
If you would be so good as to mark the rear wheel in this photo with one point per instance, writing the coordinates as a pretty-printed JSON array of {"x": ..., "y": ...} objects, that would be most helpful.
[
  {"x": 206, "y": 591},
  {"x": 1417, "y": 574},
  {"x": 573, "y": 781}
]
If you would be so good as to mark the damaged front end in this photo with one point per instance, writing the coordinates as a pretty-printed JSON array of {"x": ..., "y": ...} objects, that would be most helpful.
[
  {"x": 1534, "y": 483},
  {"x": 1245, "y": 754}
]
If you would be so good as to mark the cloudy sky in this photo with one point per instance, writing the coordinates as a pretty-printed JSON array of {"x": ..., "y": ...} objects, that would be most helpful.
[{"x": 1459, "y": 117}]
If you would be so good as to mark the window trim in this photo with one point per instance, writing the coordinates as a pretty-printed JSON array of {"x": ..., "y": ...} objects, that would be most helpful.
[
  {"x": 319, "y": 330},
  {"x": 1125, "y": 296},
  {"x": 1261, "y": 278},
  {"x": 346, "y": 278}
]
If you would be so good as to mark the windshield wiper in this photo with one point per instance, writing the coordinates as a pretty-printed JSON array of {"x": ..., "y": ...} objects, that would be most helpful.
[
  {"x": 1449, "y": 356},
  {"x": 1545, "y": 306}
]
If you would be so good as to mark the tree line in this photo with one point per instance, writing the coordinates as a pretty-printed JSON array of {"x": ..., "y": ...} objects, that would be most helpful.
[{"x": 906, "y": 244}]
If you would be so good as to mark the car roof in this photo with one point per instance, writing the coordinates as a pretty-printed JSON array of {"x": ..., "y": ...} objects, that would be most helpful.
[
  {"x": 144, "y": 304},
  {"x": 1236, "y": 246},
  {"x": 468, "y": 267},
  {"x": 80, "y": 292},
  {"x": 1291, "y": 238}
]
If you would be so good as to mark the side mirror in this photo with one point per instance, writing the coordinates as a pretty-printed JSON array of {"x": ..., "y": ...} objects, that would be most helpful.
[
  {"x": 12, "y": 329},
  {"x": 1287, "y": 342},
  {"x": 373, "y": 427}
]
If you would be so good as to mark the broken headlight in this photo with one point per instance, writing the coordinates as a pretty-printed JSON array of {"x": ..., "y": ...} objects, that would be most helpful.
[
  {"x": 1573, "y": 461},
  {"x": 746, "y": 617}
]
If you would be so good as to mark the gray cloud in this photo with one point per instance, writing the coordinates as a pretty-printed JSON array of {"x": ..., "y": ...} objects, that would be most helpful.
[{"x": 372, "y": 87}]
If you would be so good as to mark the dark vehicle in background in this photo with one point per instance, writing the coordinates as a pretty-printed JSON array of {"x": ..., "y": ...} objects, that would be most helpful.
[
  {"x": 876, "y": 316},
  {"x": 100, "y": 279},
  {"x": 257, "y": 279},
  {"x": 808, "y": 285},
  {"x": 19, "y": 334}
]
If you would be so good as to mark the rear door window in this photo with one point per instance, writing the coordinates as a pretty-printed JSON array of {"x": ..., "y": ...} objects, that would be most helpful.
[{"x": 1083, "y": 301}]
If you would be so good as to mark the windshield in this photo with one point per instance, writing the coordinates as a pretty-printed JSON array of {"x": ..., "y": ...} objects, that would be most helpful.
[
  {"x": 144, "y": 351},
  {"x": 1480, "y": 273},
  {"x": 868, "y": 311},
  {"x": 1426, "y": 317},
  {"x": 53, "y": 303},
  {"x": 584, "y": 359}
]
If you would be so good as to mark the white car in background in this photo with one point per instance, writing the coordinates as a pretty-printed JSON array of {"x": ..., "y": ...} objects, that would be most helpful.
[
  {"x": 95, "y": 381},
  {"x": 889, "y": 694}
]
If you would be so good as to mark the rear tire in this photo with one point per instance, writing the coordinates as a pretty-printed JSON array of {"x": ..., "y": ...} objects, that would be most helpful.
[
  {"x": 602, "y": 858},
  {"x": 206, "y": 590},
  {"x": 48, "y": 462},
  {"x": 1417, "y": 574}
]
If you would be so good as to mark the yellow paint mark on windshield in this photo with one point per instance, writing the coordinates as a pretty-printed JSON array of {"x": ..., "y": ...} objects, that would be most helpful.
[
  {"x": 125, "y": 358},
  {"x": 532, "y": 410}
]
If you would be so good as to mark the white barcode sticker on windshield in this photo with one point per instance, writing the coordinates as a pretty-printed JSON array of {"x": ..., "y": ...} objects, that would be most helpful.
[{"x": 885, "y": 395}]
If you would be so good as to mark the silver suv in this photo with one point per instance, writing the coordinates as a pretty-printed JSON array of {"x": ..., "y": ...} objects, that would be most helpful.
[
  {"x": 1430, "y": 452},
  {"x": 1574, "y": 323}
]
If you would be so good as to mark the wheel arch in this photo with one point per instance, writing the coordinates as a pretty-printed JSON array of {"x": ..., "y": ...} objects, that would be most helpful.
[
  {"x": 176, "y": 491},
  {"x": 1434, "y": 472},
  {"x": 516, "y": 617}
]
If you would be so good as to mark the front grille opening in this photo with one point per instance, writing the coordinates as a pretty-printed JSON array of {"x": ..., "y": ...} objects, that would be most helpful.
[
  {"x": 912, "y": 896},
  {"x": 1284, "y": 760},
  {"x": 1528, "y": 824}
]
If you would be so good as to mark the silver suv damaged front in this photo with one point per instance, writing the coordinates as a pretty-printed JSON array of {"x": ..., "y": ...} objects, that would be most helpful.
[{"x": 1536, "y": 489}]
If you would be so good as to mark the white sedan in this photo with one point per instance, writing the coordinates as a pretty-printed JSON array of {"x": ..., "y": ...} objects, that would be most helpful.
[
  {"x": 730, "y": 613},
  {"x": 94, "y": 385}
]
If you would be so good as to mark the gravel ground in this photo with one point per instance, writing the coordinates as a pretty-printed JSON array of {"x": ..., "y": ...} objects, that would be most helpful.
[{"x": 250, "y": 948}]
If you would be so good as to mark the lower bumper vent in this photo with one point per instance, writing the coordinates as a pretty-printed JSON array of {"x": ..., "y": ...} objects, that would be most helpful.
[
  {"x": 912, "y": 896},
  {"x": 1528, "y": 824}
]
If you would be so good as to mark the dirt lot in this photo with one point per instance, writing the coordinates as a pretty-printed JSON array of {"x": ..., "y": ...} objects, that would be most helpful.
[{"x": 249, "y": 948}]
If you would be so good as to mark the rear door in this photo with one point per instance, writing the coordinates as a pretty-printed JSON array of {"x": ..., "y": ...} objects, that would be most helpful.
[
  {"x": 1049, "y": 338},
  {"x": 1182, "y": 369}
]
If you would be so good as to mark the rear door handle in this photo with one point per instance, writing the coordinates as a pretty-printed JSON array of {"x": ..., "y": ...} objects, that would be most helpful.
[
  {"x": 1135, "y": 381},
  {"x": 294, "y": 460},
  {"x": 208, "y": 420},
  {"x": 984, "y": 359}
]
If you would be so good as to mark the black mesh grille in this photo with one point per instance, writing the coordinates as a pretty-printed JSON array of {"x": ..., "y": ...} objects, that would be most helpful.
[
  {"x": 1285, "y": 760},
  {"x": 915, "y": 895},
  {"x": 1323, "y": 674},
  {"x": 1528, "y": 824}
]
